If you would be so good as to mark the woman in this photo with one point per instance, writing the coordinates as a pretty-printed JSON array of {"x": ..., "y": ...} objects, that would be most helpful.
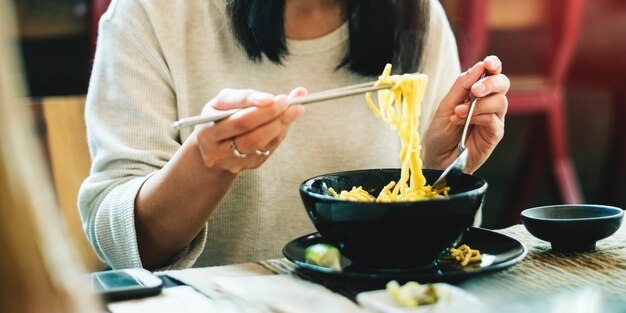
[{"x": 161, "y": 198}]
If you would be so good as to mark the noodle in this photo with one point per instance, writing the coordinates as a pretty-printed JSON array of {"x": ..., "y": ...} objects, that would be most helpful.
[
  {"x": 465, "y": 255},
  {"x": 399, "y": 106}
]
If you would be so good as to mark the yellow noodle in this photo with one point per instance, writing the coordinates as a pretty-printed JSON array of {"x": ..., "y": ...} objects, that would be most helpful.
[
  {"x": 465, "y": 255},
  {"x": 399, "y": 106}
]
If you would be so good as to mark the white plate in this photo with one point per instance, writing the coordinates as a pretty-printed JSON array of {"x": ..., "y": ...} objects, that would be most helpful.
[{"x": 453, "y": 299}]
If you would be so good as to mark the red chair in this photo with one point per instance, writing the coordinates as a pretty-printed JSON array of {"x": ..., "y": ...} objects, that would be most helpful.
[
  {"x": 538, "y": 71},
  {"x": 599, "y": 65},
  {"x": 98, "y": 7},
  {"x": 469, "y": 23}
]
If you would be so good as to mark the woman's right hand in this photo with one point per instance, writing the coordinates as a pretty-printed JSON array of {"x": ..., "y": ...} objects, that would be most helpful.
[
  {"x": 173, "y": 205},
  {"x": 247, "y": 138}
]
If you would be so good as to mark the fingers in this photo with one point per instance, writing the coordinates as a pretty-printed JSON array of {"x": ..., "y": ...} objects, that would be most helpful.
[
  {"x": 240, "y": 141},
  {"x": 498, "y": 83},
  {"x": 468, "y": 80},
  {"x": 495, "y": 104},
  {"x": 248, "y": 150},
  {"x": 262, "y": 136},
  {"x": 250, "y": 118},
  {"x": 491, "y": 90},
  {"x": 228, "y": 99},
  {"x": 298, "y": 92},
  {"x": 463, "y": 84},
  {"x": 493, "y": 65},
  {"x": 258, "y": 109},
  {"x": 489, "y": 120}
]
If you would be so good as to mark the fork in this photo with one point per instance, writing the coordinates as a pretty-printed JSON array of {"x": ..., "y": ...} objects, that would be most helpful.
[
  {"x": 341, "y": 92},
  {"x": 455, "y": 169}
]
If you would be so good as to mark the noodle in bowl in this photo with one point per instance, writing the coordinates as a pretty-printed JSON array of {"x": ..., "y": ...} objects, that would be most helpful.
[{"x": 390, "y": 235}]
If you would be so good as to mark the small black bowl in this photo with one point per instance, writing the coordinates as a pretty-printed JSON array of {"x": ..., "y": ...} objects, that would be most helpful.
[
  {"x": 572, "y": 227},
  {"x": 396, "y": 235}
]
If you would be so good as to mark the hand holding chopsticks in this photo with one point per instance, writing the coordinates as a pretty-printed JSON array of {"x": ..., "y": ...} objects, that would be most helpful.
[{"x": 310, "y": 98}]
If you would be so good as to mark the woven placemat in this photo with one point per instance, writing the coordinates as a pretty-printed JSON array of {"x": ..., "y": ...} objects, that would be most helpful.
[{"x": 544, "y": 271}]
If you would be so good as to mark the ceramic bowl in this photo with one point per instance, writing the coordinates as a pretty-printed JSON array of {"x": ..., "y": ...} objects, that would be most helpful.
[
  {"x": 395, "y": 235},
  {"x": 572, "y": 227}
]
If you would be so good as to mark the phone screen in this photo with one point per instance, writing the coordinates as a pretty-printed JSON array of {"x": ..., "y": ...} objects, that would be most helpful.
[
  {"x": 114, "y": 280},
  {"x": 125, "y": 284}
]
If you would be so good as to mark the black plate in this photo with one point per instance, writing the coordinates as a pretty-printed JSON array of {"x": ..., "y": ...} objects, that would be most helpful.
[{"x": 498, "y": 251}]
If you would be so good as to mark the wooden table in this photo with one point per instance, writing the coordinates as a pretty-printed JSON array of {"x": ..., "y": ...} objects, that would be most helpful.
[{"x": 273, "y": 286}]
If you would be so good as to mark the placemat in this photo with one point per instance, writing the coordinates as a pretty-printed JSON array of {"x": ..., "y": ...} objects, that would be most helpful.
[{"x": 544, "y": 271}]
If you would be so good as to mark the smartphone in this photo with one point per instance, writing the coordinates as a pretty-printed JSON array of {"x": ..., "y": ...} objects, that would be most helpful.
[{"x": 125, "y": 284}]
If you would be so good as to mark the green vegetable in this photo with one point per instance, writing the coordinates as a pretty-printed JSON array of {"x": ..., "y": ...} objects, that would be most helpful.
[{"x": 323, "y": 254}]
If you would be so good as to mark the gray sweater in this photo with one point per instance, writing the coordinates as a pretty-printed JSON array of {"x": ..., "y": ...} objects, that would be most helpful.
[{"x": 158, "y": 61}]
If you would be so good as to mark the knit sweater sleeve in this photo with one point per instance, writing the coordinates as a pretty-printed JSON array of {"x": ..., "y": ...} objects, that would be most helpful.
[{"x": 130, "y": 106}]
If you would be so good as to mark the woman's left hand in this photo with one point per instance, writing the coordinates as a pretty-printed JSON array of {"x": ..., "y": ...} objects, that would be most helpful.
[{"x": 487, "y": 123}]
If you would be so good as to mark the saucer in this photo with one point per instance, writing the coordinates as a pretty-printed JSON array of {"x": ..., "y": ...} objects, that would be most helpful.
[{"x": 498, "y": 252}]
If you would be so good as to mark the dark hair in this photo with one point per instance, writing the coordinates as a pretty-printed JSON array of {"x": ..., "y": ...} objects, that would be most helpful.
[{"x": 381, "y": 31}]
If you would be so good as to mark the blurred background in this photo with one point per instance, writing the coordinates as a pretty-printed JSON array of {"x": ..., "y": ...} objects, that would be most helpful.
[
  {"x": 55, "y": 45},
  {"x": 565, "y": 131}
]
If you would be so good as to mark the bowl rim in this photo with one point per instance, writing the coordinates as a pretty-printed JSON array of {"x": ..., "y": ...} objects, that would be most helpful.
[
  {"x": 319, "y": 196},
  {"x": 618, "y": 212}
]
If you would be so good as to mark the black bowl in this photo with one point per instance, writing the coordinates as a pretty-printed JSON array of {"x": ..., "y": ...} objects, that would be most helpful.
[
  {"x": 396, "y": 235},
  {"x": 572, "y": 227}
]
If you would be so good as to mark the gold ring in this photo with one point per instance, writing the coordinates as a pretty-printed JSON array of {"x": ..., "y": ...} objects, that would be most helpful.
[
  {"x": 236, "y": 151},
  {"x": 262, "y": 152}
]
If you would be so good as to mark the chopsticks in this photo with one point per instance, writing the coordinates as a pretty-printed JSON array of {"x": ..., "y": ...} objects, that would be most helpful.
[{"x": 310, "y": 98}]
